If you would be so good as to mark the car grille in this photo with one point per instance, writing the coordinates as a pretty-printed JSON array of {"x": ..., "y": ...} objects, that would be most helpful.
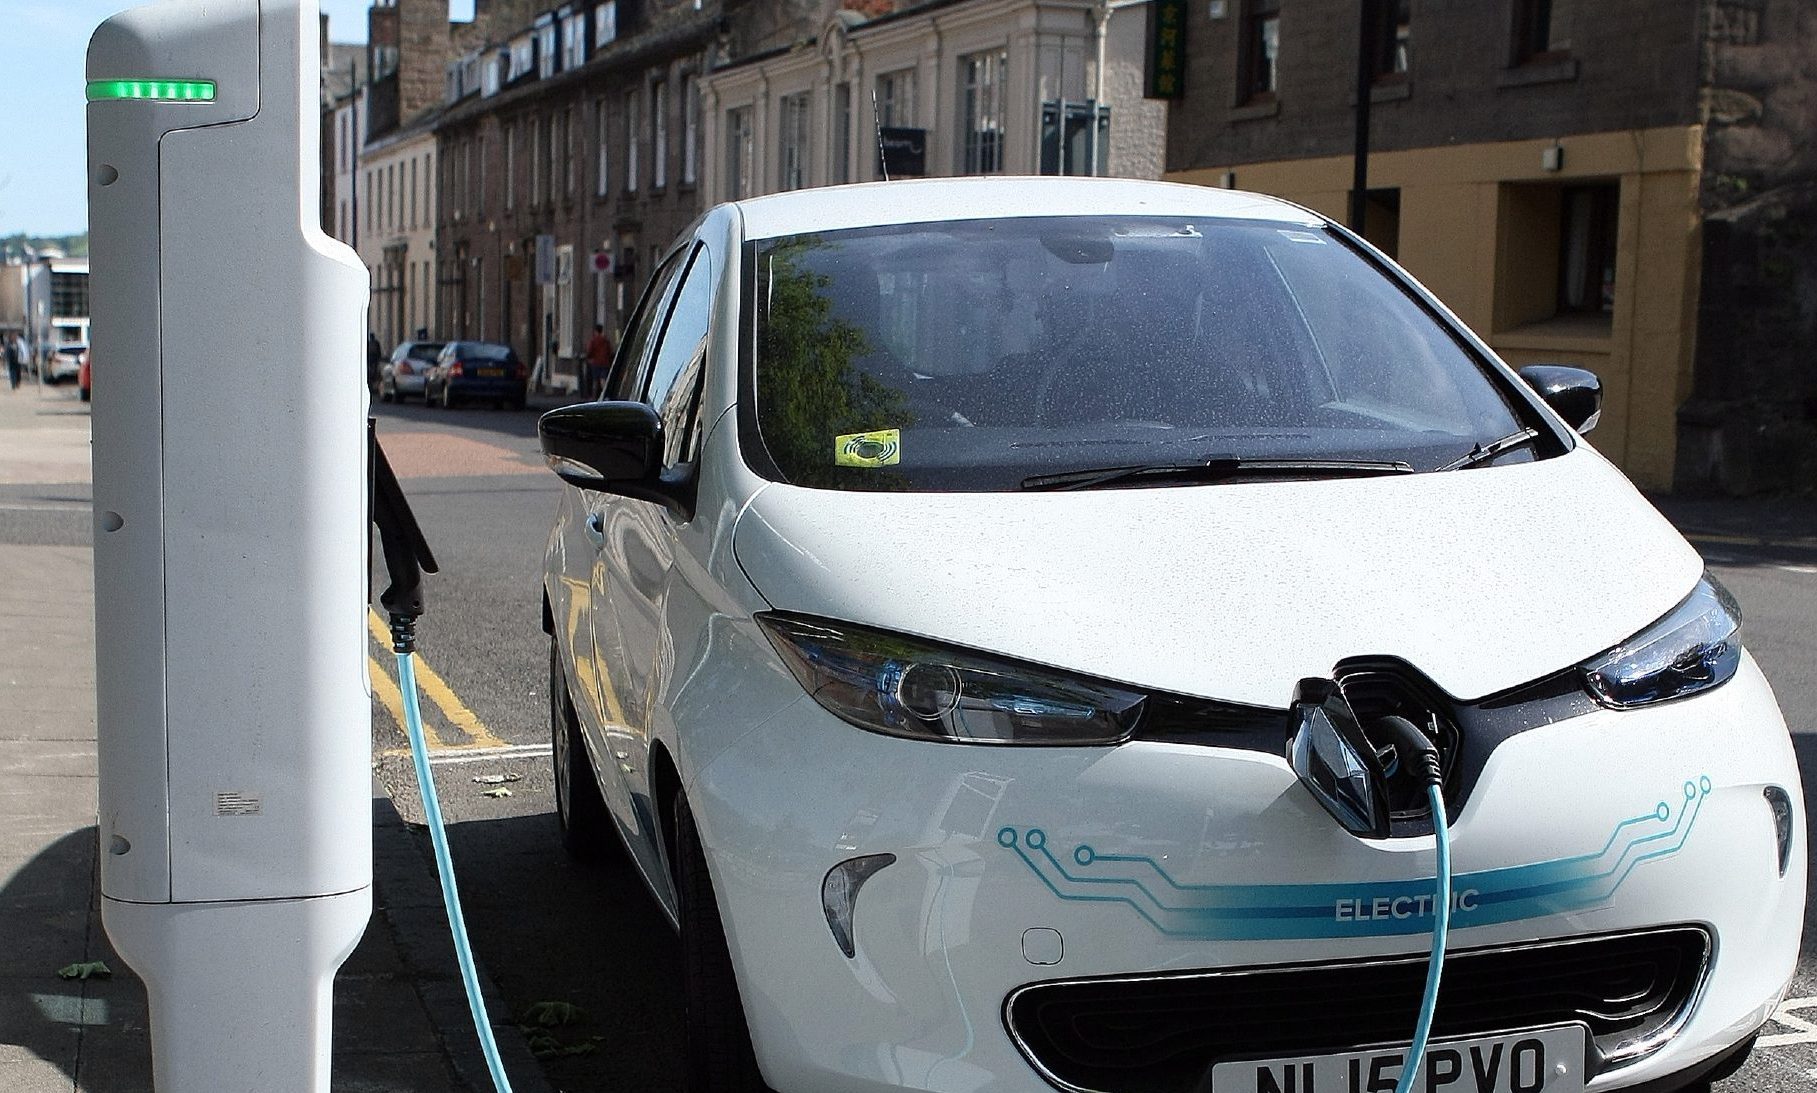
[{"x": 1162, "y": 1033}]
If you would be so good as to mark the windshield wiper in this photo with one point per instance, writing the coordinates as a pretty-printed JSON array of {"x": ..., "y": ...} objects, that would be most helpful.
[
  {"x": 1482, "y": 453},
  {"x": 1216, "y": 469}
]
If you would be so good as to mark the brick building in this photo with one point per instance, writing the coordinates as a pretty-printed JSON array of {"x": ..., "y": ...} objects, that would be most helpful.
[
  {"x": 576, "y": 135},
  {"x": 1548, "y": 168}
]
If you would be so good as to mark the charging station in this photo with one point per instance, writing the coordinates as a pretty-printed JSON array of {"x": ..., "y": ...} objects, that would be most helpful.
[{"x": 230, "y": 495}]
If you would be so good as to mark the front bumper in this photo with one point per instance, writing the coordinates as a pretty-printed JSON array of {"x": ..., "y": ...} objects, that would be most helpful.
[{"x": 1163, "y": 858}]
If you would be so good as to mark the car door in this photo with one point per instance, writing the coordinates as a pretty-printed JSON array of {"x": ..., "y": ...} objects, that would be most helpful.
[
  {"x": 639, "y": 587},
  {"x": 616, "y": 550}
]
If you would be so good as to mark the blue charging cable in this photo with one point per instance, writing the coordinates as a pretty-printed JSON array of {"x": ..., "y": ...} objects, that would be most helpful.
[
  {"x": 444, "y": 863},
  {"x": 1441, "y": 925}
]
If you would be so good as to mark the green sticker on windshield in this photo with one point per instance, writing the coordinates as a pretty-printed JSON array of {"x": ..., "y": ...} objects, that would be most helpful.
[{"x": 882, "y": 448}]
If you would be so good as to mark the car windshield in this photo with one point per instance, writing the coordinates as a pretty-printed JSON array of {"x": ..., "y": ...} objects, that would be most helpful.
[{"x": 972, "y": 355}]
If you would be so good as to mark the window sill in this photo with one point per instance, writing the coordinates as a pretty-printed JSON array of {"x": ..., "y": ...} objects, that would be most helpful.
[
  {"x": 1554, "y": 70},
  {"x": 1388, "y": 91},
  {"x": 1266, "y": 108},
  {"x": 1590, "y": 333}
]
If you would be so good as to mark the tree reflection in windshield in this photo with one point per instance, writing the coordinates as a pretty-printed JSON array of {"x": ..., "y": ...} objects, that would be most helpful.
[{"x": 808, "y": 370}]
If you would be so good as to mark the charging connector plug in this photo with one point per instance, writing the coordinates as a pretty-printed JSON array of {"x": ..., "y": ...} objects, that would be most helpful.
[{"x": 1418, "y": 752}]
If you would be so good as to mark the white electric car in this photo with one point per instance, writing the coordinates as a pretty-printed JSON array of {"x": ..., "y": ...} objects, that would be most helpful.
[{"x": 928, "y": 613}]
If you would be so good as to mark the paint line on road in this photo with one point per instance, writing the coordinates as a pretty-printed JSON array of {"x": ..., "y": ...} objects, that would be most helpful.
[
  {"x": 1806, "y": 569},
  {"x": 439, "y": 692},
  {"x": 385, "y": 690},
  {"x": 450, "y": 756},
  {"x": 1804, "y": 1032}
]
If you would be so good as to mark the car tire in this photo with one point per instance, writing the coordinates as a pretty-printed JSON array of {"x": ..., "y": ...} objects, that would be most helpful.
[
  {"x": 83, "y": 394},
  {"x": 580, "y": 811},
  {"x": 717, "y": 1039},
  {"x": 387, "y": 395},
  {"x": 447, "y": 396}
]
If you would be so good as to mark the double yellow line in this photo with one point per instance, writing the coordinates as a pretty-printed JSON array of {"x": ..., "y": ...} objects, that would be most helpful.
[{"x": 475, "y": 734}]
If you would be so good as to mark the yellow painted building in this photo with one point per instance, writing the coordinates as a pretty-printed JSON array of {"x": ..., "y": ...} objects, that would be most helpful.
[{"x": 1481, "y": 226}]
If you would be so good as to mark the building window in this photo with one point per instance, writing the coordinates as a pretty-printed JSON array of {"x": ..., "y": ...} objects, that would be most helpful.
[
  {"x": 631, "y": 124},
  {"x": 479, "y": 185},
  {"x": 545, "y": 47},
  {"x": 601, "y": 170},
  {"x": 842, "y": 133},
  {"x": 1586, "y": 258},
  {"x": 896, "y": 98},
  {"x": 605, "y": 23},
  {"x": 1261, "y": 44},
  {"x": 1391, "y": 25},
  {"x": 690, "y": 130},
  {"x": 981, "y": 83},
  {"x": 574, "y": 41},
  {"x": 1542, "y": 29},
  {"x": 570, "y": 162},
  {"x": 740, "y": 152},
  {"x": 793, "y": 162},
  {"x": 510, "y": 167},
  {"x": 413, "y": 194},
  {"x": 537, "y": 139},
  {"x": 659, "y": 134}
]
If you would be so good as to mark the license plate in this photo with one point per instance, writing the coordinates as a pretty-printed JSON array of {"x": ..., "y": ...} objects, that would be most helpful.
[
  {"x": 491, "y": 373},
  {"x": 1547, "y": 1060}
]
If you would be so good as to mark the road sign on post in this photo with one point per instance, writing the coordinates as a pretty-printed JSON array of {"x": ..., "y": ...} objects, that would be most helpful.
[{"x": 234, "y": 742}]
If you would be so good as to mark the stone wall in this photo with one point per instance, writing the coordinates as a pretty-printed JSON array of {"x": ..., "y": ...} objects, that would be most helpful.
[{"x": 1751, "y": 424}]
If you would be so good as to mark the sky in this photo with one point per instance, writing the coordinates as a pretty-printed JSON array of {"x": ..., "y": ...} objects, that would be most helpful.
[{"x": 42, "y": 143}]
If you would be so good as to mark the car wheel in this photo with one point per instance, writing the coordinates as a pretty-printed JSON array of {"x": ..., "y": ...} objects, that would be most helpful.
[
  {"x": 387, "y": 394},
  {"x": 83, "y": 394},
  {"x": 580, "y": 811},
  {"x": 717, "y": 1038},
  {"x": 447, "y": 396}
]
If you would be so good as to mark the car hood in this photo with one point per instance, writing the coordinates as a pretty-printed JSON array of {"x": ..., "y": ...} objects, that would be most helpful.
[{"x": 1483, "y": 579}]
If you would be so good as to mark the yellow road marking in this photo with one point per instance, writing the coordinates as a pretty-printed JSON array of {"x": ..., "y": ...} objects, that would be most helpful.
[
  {"x": 385, "y": 690},
  {"x": 439, "y": 692}
]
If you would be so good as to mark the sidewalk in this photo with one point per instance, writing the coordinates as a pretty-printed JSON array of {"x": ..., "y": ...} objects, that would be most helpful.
[{"x": 400, "y": 1018}]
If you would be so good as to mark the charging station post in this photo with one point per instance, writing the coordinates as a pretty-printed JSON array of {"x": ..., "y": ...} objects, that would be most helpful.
[{"x": 230, "y": 494}]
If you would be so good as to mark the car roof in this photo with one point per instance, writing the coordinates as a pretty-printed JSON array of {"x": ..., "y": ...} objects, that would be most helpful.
[{"x": 919, "y": 201}]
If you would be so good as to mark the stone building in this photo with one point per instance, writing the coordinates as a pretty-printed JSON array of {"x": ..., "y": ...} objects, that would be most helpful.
[
  {"x": 1546, "y": 167},
  {"x": 569, "y": 156},
  {"x": 963, "y": 86}
]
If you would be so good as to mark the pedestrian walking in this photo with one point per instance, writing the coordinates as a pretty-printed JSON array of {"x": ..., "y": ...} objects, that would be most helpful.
[
  {"x": 13, "y": 361},
  {"x": 599, "y": 361}
]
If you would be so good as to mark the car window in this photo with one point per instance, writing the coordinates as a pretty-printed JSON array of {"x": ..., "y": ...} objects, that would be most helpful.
[
  {"x": 627, "y": 367},
  {"x": 481, "y": 351},
  {"x": 425, "y": 351},
  {"x": 680, "y": 361},
  {"x": 970, "y": 355}
]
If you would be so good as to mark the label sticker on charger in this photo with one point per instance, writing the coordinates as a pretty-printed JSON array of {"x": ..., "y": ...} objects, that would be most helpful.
[{"x": 882, "y": 448}]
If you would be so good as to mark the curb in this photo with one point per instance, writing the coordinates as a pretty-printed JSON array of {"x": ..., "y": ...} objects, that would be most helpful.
[{"x": 408, "y": 898}]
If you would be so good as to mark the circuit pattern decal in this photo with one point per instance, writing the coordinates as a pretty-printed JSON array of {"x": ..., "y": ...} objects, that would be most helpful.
[{"x": 1250, "y": 912}]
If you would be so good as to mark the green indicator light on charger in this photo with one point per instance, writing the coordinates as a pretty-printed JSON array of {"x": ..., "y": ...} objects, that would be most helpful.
[{"x": 152, "y": 90}]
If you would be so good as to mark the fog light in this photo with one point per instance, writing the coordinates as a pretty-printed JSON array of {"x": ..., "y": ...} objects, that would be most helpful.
[{"x": 1781, "y": 803}]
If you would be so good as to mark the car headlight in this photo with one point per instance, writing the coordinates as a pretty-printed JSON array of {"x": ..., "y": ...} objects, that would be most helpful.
[
  {"x": 1697, "y": 646},
  {"x": 911, "y": 687}
]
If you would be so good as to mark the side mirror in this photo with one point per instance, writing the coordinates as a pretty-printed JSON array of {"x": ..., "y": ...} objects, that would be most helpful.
[
  {"x": 615, "y": 447},
  {"x": 1327, "y": 749},
  {"x": 1575, "y": 393}
]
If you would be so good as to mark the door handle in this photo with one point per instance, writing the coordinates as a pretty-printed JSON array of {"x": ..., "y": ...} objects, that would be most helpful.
[{"x": 596, "y": 530}]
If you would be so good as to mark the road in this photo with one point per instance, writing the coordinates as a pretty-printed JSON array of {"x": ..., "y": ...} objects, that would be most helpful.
[{"x": 552, "y": 931}]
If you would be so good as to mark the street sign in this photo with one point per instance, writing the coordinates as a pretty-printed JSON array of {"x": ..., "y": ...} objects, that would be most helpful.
[
  {"x": 602, "y": 262},
  {"x": 903, "y": 151},
  {"x": 545, "y": 259}
]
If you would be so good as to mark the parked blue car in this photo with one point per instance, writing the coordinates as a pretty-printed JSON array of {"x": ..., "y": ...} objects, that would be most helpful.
[{"x": 477, "y": 371}]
